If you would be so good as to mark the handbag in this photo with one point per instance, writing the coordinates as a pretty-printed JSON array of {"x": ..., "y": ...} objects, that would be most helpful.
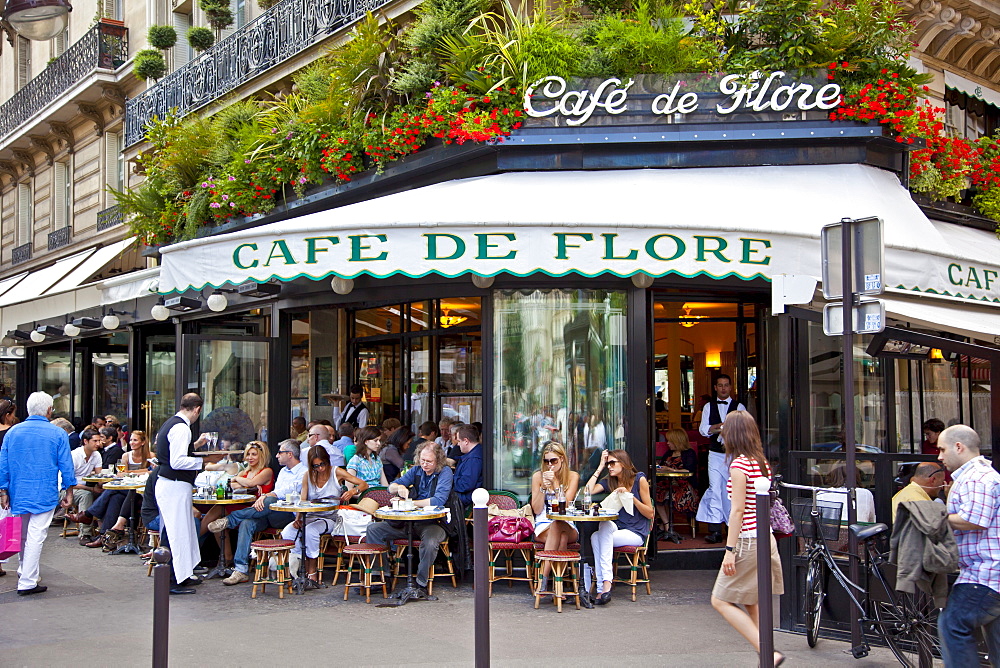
[
  {"x": 503, "y": 529},
  {"x": 10, "y": 536},
  {"x": 781, "y": 521},
  {"x": 352, "y": 523}
]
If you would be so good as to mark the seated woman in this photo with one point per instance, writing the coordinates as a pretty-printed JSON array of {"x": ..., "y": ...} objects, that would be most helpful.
[
  {"x": 555, "y": 473},
  {"x": 394, "y": 445},
  {"x": 627, "y": 529},
  {"x": 321, "y": 482},
  {"x": 678, "y": 457},
  {"x": 365, "y": 463},
  {"x": 253, "y": 476},
  {"x": 109, "y": 503}
]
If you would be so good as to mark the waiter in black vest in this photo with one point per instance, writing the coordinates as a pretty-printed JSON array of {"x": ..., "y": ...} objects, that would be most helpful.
[
  {"x": 174, "y": 487},
  {"x": 714, "y": 506},
  {"x": 356, "y": 412}
]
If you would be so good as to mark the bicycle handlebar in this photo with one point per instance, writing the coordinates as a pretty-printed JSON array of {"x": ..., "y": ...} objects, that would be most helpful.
[{"x": 815, "y": 489}]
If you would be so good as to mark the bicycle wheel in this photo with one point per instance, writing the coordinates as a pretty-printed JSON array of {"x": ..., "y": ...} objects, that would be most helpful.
[
  {"x": 814, "y": 600},
  {"x": 908, "y": 624}
]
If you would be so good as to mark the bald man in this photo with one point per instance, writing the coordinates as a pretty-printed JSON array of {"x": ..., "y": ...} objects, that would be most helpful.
[{"x": 926, "y": 483}]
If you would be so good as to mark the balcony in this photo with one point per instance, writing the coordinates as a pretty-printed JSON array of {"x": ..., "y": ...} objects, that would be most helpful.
[
  {"x": 280, "y": 33},
  {"x": 20, "y": 254},
  {"x": 108, "y": 218},
  {"x": 105, "y": 46},
  {"x": 60, "y": 238}
]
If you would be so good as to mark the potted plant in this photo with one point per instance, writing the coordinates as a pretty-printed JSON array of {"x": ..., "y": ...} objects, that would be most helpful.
[{"x": 200, "y": 38}]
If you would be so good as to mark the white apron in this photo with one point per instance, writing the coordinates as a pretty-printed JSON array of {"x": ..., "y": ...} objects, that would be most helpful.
[
  {"x": 714, "y": 506},
  {"x": 174, "y": 499}
]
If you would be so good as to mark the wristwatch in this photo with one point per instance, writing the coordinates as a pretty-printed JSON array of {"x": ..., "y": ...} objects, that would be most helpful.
[{"x": 730, "y": 548}]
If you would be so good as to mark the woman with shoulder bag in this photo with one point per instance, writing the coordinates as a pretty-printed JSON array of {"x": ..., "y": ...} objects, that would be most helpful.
[
  {"x": 736, "y": 584},
  {"x": 554, "y": 473}
]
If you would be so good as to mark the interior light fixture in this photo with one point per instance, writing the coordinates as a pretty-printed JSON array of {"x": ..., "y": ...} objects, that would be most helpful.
[
  {"x": 688, "y": 320},
  {"x": 38, "y": 20},
  {"x": 182, "y": 304},
  {"x": 258, "y": 290},
  {"x": 713, "y": 360},
  {"x": 452, "y": 320},
  {"x": 935, "y": 354},
  {"x": 159, "y": 311}
]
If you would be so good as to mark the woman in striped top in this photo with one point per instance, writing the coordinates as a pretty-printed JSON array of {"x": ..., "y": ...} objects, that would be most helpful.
[{"x": 736, "y": 584}]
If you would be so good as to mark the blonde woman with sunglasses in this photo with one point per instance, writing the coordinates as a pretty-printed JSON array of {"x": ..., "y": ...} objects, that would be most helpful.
[
  {"x": 555, "y": 473},
  {"x": 254, "y": 477}
]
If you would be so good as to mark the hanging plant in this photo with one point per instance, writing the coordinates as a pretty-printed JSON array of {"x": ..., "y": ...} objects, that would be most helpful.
[
  {"x": 162, "y": 37},
  {"x": 149, "y": 64},
  {"x": 200, "y": 38}
]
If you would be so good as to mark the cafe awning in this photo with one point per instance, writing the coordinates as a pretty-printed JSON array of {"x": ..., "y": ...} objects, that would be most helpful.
[
  {"x": 958, "y": 317},
  {"x": 746, "y": 222}
]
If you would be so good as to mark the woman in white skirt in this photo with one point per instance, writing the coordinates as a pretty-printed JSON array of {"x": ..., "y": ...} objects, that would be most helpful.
[
  {"x": 736, "y": 584},
  {"x": 320, "y": 483},
  {"x": 553, "y": 474}
]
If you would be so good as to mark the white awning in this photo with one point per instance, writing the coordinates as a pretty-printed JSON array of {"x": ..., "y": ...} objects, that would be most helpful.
[
  {"x": 971, "y": 88},
  {"x": 9, "y": 282},
  {"x": 40, "y": 280},
  {"x": 132, "y": 285},
  {"x": 979, "y": 322},
  {"x": 746, "y": 222},
  {"x": 92, "y": 265}
]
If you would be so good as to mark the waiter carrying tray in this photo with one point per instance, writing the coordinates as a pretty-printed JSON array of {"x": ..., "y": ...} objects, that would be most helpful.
[
  {"x": 174, "y": 491},
  {"x": 714, "y": 506}
]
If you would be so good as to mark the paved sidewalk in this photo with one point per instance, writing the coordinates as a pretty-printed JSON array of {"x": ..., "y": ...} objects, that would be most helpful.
[{"x": 99, "y": 609}]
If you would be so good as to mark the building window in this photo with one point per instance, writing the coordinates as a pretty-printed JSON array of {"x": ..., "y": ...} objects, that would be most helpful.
[
  {"x": 25, "y": 214},
  {"x": 59, "y": 43},
  {"x": 181, "y": 50},
  {"x": 240, "y": 12},
  {"x": 23, "y": 62},
  {"x": 113, "y": 161},
  {"x": 969, "y": 117},
  {"x": 62, "y": 195},
  {"x": 111, "y": 9}
]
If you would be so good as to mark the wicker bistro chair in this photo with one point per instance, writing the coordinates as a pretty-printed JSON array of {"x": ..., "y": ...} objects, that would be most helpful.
[
  {"x": 154, "y": 542},
  {"x": 560, "y": 560},
  {"x": 69, "y": 529},
  {"x": 368, "y": 556},
  {"x": 280, "y": 549},
  {"x": 635, "y": 560},
  {"x": 332, "y": 546},
  {"x": 508, "y": 551},
  {"x": 399, "y": 567}
]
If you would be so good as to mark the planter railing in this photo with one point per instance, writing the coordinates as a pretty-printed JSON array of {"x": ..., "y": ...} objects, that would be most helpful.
[
  {"x": 60, "y": 238},
  {"x": 280, "y": 33},
  {"x": 105, "y": 46},
  {"x": 20, "y": 254},
  {"x": 108, "y": 218}
]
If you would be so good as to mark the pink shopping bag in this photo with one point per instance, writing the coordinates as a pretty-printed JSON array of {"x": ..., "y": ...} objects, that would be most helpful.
[{"x": 10, "y": 536}]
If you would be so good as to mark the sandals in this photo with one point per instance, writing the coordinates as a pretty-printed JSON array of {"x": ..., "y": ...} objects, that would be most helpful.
[{"x": 312, "y": 581}]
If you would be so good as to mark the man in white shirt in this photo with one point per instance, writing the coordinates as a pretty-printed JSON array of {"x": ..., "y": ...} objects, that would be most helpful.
[
  {"x": 715, "y": 505},
  {"x": 356, "y": 412},
  {"x": 261, "y": 516},
  {"x": 320, "y": 434},
  {"x": 86, "y": 462}
]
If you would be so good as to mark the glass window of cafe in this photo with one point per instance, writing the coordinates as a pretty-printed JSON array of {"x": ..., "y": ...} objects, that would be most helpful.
[
  {"x": 560, "y": 375},
  {"x": 56, "y": 376}
]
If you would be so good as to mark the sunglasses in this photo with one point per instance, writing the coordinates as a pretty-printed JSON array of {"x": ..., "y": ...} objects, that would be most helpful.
[
  {"x": 613, "y": 461},
  {"x": 551, "y": 461},
  {"x": 315, "y": 435},
  {"x": 319, "y": 466}
]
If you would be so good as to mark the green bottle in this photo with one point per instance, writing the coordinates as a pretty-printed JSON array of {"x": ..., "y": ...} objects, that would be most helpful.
[{"x": 220, "y": 491}]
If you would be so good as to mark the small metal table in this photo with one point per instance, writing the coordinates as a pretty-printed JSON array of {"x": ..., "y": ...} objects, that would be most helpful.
[
  {"x": 411, "y": 592},
  {"x": 300, "y": 582},
  {"x": 670, "y": 534},
  {"x": 126, "y": 485},
  {"x": 222, "y": 569},
  {"x": 586, "y": 526}
]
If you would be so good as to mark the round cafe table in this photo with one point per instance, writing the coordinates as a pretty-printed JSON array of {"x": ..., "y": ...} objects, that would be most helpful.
[
  {"x": 222, "y": 569},
  {"x": 670, "y": 534},
  {"x": 300, "y": 582},
  {"x": 95, "y": 479},
  {"x": 411, "y": 592},
  {"x": 125, "y": 485},
  {"x": 586, "y": 525}
]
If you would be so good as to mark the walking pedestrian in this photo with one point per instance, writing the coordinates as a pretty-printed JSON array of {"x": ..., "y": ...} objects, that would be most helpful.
[
  {"x": 736, "y": 584},
  {"x": 34, "y": 454},
  {"x": 974, "y": 516},
  {"x": 714, "y": 506}
]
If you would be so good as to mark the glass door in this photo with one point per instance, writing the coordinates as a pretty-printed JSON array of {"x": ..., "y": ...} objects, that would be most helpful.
[
  {"x": 378, "y": 372},
  {"x": 160, "y": 398},
  {"x": 231, "y": 375}
]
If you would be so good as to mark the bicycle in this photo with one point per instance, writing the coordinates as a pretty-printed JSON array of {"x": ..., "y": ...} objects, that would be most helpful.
[{"x": 906, "y": 623}]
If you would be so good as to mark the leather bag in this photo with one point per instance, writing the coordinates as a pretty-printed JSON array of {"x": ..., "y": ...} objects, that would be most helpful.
[{"x": 503, "y": 529}]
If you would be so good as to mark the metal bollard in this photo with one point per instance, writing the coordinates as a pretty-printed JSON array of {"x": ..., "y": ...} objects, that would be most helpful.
[
  {"x": 161, "y": 607},
  {"x": 480, "y": 546},
  {"x": 762, "y": 487}
]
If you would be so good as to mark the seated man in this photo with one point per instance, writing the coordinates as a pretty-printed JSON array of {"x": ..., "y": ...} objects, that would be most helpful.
[
  {"x": 346, "y": 432},
  {"x": 926, "y": 483},
  {"x": 431, "y": 480},
  {"x": 320, "y": 434},
  {"x": 86, "y": 462},
  {"x": 469, "y": 472},
  {"x": 260, "y": 516}
]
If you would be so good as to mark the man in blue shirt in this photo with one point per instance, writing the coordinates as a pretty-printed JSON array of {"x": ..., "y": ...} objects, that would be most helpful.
[
  {"x": 469, "y": 472},
  {"x": 346, "y": 432},
  {"x": 34, "y": 453},
  {"x": 432, "y": 482}
]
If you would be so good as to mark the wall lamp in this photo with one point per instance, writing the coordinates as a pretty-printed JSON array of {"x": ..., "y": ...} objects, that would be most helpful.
[
  {"x": 342, "y": 286},
  {"x": 39, "y": 333},
  {"x": 111, "y": 319},
  {"x": 78, "y": 324},
  {"x": 217, "y": 300},
  {"x": 159, "y": 311}
]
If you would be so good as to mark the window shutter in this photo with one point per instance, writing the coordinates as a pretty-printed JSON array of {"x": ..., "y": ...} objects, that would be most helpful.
[
  {"x": 59, "y": 43},
  {"x": 59, "y": 195},
  {"x": 181, "y": 50},
  {"x": 112, "y": 166},
  {"x": 24, "y": 213},
  {"x": 111, "y": 9},
  {"x": 23, "y": 62}
]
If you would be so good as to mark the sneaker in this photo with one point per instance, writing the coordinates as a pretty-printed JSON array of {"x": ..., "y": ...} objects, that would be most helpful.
[
  {"x": 237, "y": 577},
  {"x": 219, "y": 525}
]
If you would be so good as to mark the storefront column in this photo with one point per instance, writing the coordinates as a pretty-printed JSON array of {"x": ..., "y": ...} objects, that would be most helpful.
[
  {"x": 279, "y": 399},
  {"x": 639, "y": 412}
]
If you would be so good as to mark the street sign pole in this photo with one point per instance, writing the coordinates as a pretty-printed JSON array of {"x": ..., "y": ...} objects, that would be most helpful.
[{"x": 847, "y": 274}]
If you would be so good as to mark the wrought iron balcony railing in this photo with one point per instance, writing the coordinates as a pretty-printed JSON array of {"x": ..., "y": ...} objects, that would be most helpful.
[
  {"x": 60, "y": 238},
  {"x": 20, "y": 254},
  {"x": 108, "y": 218},
  {"x": 104, "y": 46},
  {"x": 283, "y": 31}
]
